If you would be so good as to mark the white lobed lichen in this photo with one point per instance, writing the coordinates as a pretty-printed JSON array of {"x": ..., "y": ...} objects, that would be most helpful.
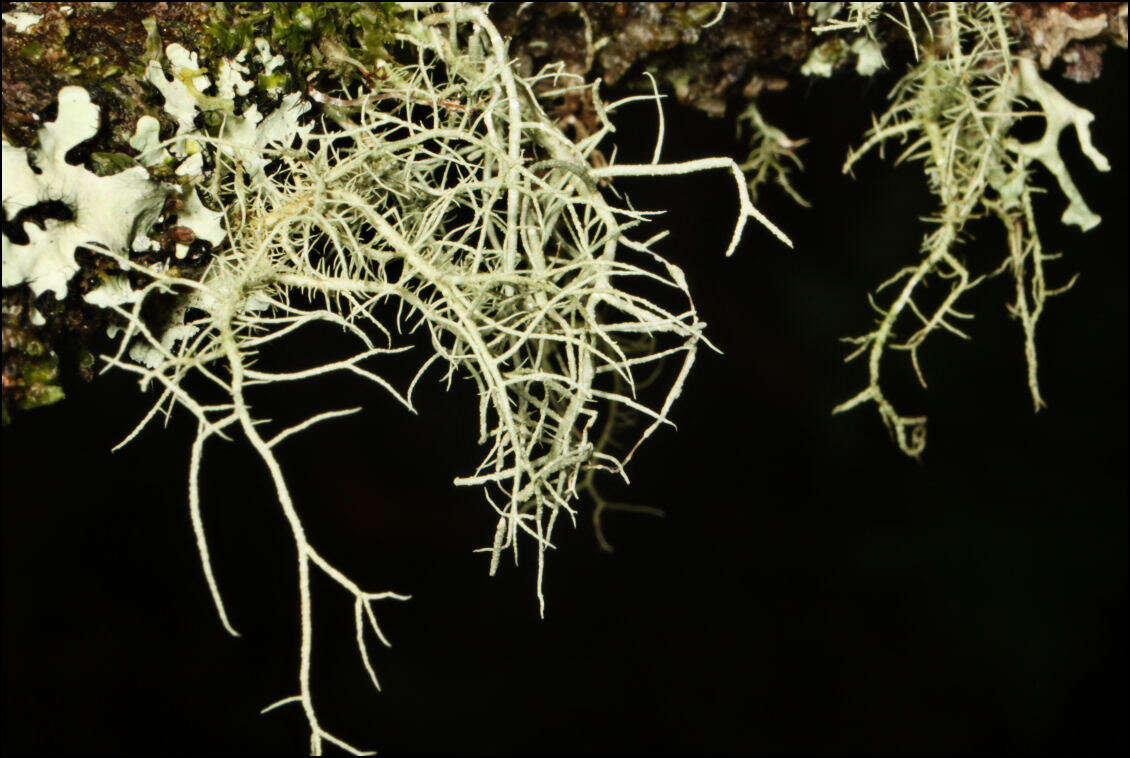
[
  {"x": 118, "y": 212},
  {"x": 113, "y": 211},
  {"x": 1059, "y": 113},
  {"x": 21, "y": 21},
  {"x": 230, "y": 81},
  {"x": 270, "y": 61},
  {"x": 182, "y": 90},
  {"x": 146, "y": 140}
]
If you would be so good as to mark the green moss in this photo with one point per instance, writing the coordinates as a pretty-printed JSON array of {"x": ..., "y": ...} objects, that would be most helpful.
[
  {"x": 41, "y": 395},
  {"x": 33, "y": 51},
  {"x": 271, "y": 81},
  {"x": 31, "y": 367},
  {"x": 108, "y": 164},
  {"x": 40, "y": 377},
  {"x": 345, "y": 39}
]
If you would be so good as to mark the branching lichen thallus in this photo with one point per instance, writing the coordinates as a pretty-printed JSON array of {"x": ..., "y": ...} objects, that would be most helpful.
[{"x": 450, "y": 192}]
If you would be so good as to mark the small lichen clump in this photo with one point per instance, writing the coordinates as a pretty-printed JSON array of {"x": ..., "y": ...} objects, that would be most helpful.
[{"x": 956, "y": 109}]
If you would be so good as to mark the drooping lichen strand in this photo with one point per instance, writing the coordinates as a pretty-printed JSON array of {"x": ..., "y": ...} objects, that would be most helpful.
[{"x": 956, "y": 109}]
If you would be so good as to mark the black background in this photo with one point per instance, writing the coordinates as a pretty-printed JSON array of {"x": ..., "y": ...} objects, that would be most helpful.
[{"x": 810, "y": 590}]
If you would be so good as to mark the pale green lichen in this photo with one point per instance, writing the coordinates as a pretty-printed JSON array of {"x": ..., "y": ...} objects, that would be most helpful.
[
  {"x": 772, "y": 154},
  {"x": 868, "y": 56},
  {"x": 956, "y": 108},
  {"x": 824, "y": 58},
  {"x": 448, "y": 189},
  {"x": 528, "y": 293}
]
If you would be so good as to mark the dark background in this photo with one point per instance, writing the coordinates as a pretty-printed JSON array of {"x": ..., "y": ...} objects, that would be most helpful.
[{"x": 810, "y": 590}]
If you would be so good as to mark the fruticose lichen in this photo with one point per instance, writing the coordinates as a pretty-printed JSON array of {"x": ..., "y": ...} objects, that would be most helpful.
[
  {"x": 438, "y": 182},
  {"x": 268, "y": 167},
  {"x": 956, "y": 109}
]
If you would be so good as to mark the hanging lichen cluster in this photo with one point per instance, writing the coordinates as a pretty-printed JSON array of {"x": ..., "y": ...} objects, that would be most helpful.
[{"x": 186, "y": 186}]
